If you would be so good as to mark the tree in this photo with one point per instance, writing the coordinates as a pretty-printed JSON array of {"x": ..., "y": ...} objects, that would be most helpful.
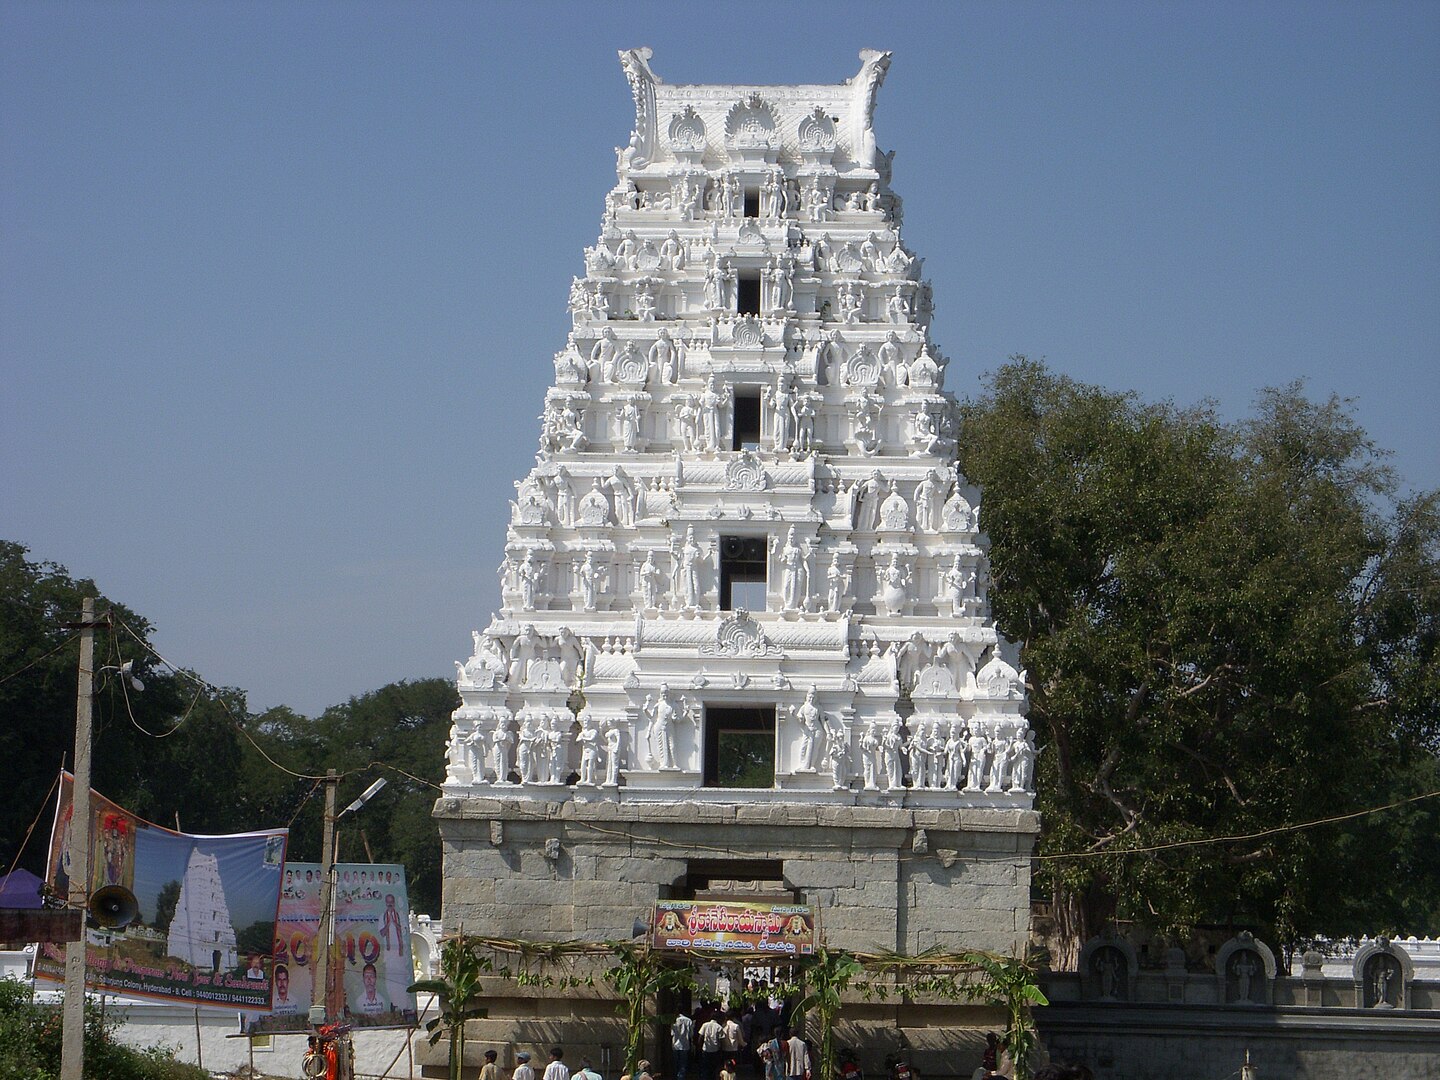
[
  {"x": 165, "y": 903},
  {"x": 639, "y": 975},
  {"x": 1228, "y": 628},
  {"x": 459, "y": 981}
]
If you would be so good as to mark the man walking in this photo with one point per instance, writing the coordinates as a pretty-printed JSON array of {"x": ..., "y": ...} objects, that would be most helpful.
[
  {"x": 682, "y": 1041},
  {"x": 797, "y": 1058},
  {"x": 523, "y": 1071},
  {"x": 557, "y": 1069},
  {"x": 712, "y": 1047}
]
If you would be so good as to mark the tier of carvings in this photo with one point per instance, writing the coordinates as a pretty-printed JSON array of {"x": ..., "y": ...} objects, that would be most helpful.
[{"x": 750, "y": 365}]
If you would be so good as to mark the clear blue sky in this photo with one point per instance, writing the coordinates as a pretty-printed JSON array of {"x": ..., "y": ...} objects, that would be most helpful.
[{"x": 280, "y": 282}]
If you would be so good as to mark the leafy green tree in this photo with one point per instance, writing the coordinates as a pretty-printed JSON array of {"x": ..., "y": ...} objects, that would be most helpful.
[
  {"x": 459, "y": 982},
  {"x": 165, "y": 903},
  {"x": 639, "y": 976},
  {"x": 1228, "y": 628}
]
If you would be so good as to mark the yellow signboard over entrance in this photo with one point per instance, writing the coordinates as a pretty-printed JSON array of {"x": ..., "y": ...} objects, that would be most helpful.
[{"x": 729, "y": 927}]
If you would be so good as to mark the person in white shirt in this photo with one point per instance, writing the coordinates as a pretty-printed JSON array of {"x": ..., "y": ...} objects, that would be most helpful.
[
  {"x": 712, "y": 1043},
  {"x": 586, "y": 1072},
  {"x": 523, "y": 1071},
  {"x": 797, "y": 1058},
  {"x": 734, "y": 1037},
  {"x": 557, "y": 1069},
  {"x": 682, "y": 1041}
]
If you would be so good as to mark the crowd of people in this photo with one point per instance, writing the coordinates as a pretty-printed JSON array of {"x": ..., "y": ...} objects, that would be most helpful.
[{"x": 715, "y": 1043}]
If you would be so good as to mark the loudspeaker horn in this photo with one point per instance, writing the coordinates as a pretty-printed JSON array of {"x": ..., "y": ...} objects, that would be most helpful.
[{"x": 113, "y": 908}]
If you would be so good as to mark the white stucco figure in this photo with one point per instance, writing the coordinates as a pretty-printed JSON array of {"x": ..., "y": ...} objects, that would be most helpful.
[
  {"x": 807, "y": 715},
  {"x": 711, "y": 402},
  {"x": 501, "y": 741},
  {"x": 686, "y": 587},
  {"x": 614, "y": 737},
  {"x": 837, "y": 754},
  {"x": 592, "y": 580},
  {"x": 623, "y": 495},
  {"x": 871, "y": 756},
  {"x": 955, "y": 757},
  {"x": 529, "y": 576},
  {"x": 865, "y": 499},
  {"x": 891, "y": 744},
  {"x": 1022, "y": 762},
  {"x": 628, "y": 418},
  {"x": 959, "y": 583},
  {"x": 794, "y": 583},
  {"x": 664, "y": 715},
  {"x": 978, "y": 747},
  {"x": 588, "y": 739},
  {"x": 651, "y": 578},
  {"x": 894, "y": 581},
  {"x": 662, "y": 358}
]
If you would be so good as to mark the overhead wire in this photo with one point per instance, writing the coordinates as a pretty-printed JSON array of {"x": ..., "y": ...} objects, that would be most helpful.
[{"x": 43, "y": 656}]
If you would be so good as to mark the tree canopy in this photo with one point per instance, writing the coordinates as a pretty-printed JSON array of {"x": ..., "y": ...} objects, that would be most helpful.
[
  {"x": 185, "y": 753},
  {"x": 1227, "y": 629}
]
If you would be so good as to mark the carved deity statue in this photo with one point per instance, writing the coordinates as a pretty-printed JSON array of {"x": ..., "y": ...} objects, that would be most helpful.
[
  {"x": 662, "y": 358},
  {"x": 890, "y": 745},
  {"x": 501, "y": 740},
  {"x": 613, "y": 760},
  {"x": 892, "y": 361},
  {"x": 836, "y": 582},
  {"x": 804, "y": 409},
  {"x": 663, "y": 717},
  {"x": 1022, "y": 763},
  {"x": 711, "y": 402},
  {"x": 651, "y": 579},
  {"x": 588, "y": 740},
  {"x": 955, "y": 757},
  {"x": 871, "y": 753},
  {"x": 687, "y": 422},
  {"x": 602, "y": 355},
  {"x": 865, "y": 499},
  {"x": 782, "y": 413},
  {"x": 894, "y": 581},
  {"x": 592, "y": 580},
  {"x": 807, "y": 715},
  {"x": 837, "y": 754},
  {"x": 978, "y": 746},
  {"x": 794, "y": 584},
  {"x": 628, "y": 418},
  {"x": 999, "y": 763},
  {"x": 625, "y": 495},
  {"x": 827, "y": 360},
  {"x": 528, "y": 576},
  {"x": 959, "y": 583},
  {"x": 686, "y": 560},
  {"x": 929, "y": 496}
]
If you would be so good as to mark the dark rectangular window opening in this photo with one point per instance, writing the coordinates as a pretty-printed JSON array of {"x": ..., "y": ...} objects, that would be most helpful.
[
  {"x": 742, "y": 573},
  {"x": 747, "y": 294},
  {"x": 752, "y": 202},
  {"x": 740, "y": 747},
  {"x": 746, "y": 434}
]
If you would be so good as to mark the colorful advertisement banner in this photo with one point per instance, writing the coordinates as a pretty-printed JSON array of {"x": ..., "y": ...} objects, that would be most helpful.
[
  {"x": 740, "y": 928},
  {"x": 207, "y": 907},
  {"x": 372, "y": 940}
]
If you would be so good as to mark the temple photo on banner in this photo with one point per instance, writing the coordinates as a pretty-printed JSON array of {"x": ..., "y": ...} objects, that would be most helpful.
[{"x": 204, "y": 908}]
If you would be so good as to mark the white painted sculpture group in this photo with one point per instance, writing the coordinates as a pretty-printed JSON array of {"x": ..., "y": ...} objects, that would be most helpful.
[{"x": 749, "y": 358}]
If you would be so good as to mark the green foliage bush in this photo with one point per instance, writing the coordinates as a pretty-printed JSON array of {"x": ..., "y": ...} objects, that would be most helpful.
[{"x": 30, "y": 1044}]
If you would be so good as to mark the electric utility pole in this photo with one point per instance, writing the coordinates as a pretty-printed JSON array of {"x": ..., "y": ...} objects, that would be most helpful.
[{"x": 72, "y": 1044}]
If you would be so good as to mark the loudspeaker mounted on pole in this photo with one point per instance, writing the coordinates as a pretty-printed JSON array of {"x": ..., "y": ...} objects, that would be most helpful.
[{"x": 113, "y": 908}]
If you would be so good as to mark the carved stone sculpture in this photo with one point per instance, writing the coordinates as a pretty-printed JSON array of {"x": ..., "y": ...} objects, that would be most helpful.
[{"x": 807, "y": 715}]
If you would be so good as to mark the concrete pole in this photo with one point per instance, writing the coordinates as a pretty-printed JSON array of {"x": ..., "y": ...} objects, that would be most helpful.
[
  {"x": 72, "y": 1044},
  {"x": 321, "y": 988}
]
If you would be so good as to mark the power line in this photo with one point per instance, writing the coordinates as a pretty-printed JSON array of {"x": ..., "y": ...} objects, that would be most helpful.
[
  {"x": 43, "y": 656},
  {"x": 1262, "y": 834}
]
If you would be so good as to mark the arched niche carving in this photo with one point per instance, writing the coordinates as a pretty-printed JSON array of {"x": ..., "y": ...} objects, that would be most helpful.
[
  {"x": 687, "y": 132},
  {"x": 1383, "y": 973},
  {"x": 752, "y": 129},
  {"x": 1107, "y": 969},
  {"x": 1245, "y": 971}
]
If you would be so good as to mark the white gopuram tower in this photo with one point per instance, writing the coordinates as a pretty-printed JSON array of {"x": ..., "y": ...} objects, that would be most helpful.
[
  {"x": 744, "y": 640},
  {"x": 200, "y": 930}
]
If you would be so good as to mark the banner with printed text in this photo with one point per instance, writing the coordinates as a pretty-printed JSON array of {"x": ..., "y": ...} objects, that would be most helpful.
[
  {"x": 739, "y": 928},
  {"x": 207, "y": 907},
  {"x": 372, "y": 942}
]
